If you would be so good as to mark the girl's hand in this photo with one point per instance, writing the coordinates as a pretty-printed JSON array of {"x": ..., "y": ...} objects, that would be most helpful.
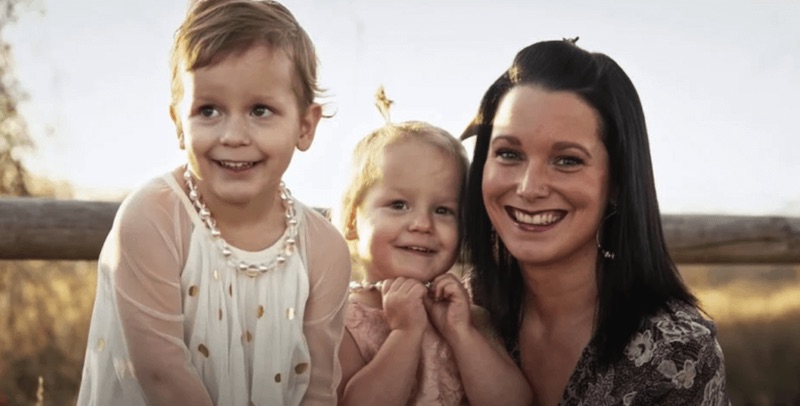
[
  {"x": 448, "y": 305},
  {"x": 403, "y": 304}
]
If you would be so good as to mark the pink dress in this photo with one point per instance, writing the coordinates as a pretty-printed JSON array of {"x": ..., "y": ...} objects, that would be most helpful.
[{"x": 438, "y": 382}]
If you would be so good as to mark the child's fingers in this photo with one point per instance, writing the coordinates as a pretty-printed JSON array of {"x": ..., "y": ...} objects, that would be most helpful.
[
  {"x": 447, "y": 286},
  {"x": 404, "y": 286}
]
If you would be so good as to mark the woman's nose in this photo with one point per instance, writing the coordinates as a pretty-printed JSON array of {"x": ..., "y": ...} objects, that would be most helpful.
[{"x": 534, "y": 182}]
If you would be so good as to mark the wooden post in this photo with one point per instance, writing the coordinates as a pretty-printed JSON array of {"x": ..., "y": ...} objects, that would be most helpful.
[
  {"x": 702, "y": 239},
  {"x": 38, "y": 228},
  {"x": 35, "y": 228}
]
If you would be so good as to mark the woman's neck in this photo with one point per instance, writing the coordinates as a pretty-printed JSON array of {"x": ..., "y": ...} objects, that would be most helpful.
[{"x": 561, "y": 293}]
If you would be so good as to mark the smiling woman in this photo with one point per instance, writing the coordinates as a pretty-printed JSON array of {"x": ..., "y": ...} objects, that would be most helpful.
[
  {"x": 546, "y": 167},
  {"x": 562, "y": 165}
]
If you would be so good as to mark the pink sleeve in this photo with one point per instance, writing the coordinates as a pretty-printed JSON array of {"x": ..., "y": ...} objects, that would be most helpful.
[
  {"x": 145, "y": 254},
  {"x": 329, "y": 275}
]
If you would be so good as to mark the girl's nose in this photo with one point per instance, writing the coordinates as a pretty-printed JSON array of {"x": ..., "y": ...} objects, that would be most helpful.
[
  {"x": 235, "y": 133},
  {"x": 421, "y": 222}
]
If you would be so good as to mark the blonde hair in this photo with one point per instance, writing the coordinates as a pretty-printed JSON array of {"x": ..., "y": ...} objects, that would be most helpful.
[
  {"x": 366, "y": 171},
  {"x": 216, "y": 29}
]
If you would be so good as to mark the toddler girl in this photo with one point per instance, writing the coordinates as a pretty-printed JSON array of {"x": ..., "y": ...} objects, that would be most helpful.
[{"x": 409, "y": 335}]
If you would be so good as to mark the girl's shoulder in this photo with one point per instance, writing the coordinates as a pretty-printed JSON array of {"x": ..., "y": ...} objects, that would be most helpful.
[
  {"x": 161, "y": 191},
  {"x": 320, "y": 235},
  {"x": 315, "y": 219},
  {"x": 159, "y": 201}
]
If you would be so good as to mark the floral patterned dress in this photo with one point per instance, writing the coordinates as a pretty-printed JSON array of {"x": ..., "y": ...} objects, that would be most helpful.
[{"x": 674, "y": 359}]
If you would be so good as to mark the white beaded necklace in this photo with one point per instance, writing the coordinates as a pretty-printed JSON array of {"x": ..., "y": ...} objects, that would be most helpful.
[
  {"x": 364, "y": 286},
  {"x": 251, "y": 270}
]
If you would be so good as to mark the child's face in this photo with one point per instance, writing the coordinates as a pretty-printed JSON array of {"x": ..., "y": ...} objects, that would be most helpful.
[
  {"x": 408, "y": 224},
  {"x": 241, "y": 123}
]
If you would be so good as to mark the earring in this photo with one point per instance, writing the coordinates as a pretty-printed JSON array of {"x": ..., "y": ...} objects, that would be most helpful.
[{"x": 604, "y": 252}]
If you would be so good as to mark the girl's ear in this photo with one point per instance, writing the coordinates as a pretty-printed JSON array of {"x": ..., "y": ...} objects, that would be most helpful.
[{"x": 308, "y": 126}]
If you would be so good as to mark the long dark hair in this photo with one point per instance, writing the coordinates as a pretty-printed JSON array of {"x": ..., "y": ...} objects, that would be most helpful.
[{"x": 642, "y": 278}]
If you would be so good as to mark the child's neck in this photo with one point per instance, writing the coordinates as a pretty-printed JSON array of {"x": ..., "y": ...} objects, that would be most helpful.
[{"x": 251, "y": 226}]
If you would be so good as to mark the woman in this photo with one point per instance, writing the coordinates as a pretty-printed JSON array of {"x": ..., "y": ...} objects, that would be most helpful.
[{"x": 565, "y": 241}]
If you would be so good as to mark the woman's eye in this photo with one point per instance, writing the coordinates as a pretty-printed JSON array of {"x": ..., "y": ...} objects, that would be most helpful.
[
  {"x": 507, "y": 154},
  {"x": 208, "y": 111},
  {"x": 262, "y": 111},
  {"x": 398, "y": 205},
  {"x": 568, "y": 161}
]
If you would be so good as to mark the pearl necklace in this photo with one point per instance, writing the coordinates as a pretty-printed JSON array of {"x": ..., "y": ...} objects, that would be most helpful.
[
  {"x": 251, "y": 270},
  {"x": 364, "y": 286}
]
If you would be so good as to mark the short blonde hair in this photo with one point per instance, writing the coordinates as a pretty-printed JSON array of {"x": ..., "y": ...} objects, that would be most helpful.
[
  {"x": 216, "y": 29},
  {"x": 365, "y": 170}
]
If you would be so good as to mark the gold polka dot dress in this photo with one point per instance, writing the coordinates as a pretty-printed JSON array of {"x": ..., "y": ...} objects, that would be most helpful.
[{"x": 170, "y": 307}]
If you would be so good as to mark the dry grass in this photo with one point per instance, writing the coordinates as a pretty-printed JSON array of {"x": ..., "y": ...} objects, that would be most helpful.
[
  {"x": 44, "y": 319},
  {"x": 757, "y": 311},
  {"x": 45, "y": 309}
]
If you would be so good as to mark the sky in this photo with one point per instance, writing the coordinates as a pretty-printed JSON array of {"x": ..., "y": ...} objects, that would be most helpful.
[{"x": 718, "y": 81}]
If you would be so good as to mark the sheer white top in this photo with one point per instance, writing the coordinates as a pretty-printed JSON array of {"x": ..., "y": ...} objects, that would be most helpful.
[{"x": 174, "y": 324}]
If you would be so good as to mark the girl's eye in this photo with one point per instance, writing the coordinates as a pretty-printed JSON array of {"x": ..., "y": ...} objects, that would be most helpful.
[
  {"x": 398, "y": 205},
  {"x": 507, "y": 154},
  {"x": 568, "y": 161},
  {"x": 208, "y": 111},
  {"x": 446, "y": 211},
  {"x": 261, "y": 111}
]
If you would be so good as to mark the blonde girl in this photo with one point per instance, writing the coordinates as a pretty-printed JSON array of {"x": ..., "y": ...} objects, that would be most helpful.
[
  {"x": 216, "y": 286},
  {"x": 409, "y": 336}
]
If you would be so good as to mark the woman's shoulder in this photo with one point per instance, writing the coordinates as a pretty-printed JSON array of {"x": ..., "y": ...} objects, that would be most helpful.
[
  {"x": 673, "y": 359},
  {"x": 676, "y": 343},
  {"x": 681, "y": 322}
]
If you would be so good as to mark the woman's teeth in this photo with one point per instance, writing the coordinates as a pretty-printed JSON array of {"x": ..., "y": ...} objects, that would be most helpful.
[{"x": 538, "y": 219}]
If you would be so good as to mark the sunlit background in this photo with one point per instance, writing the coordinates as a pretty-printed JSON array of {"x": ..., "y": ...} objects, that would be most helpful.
[{"x": 718, "y": 81}]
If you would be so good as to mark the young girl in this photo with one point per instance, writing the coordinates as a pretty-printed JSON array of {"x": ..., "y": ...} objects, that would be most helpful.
[
  {"x": 409, "y": 337},
  {"x": 215, "y": 286}
]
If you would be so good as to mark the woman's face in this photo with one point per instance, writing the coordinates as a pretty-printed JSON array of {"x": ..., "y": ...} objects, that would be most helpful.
[{"x": 546, "y": 178}]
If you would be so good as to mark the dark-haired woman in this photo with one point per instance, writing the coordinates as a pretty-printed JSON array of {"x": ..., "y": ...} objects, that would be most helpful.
[{"x": 565, "y": 241}]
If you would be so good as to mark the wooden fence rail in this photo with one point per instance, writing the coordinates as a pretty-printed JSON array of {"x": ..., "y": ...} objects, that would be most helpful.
[{"x": 37, "y": 228}]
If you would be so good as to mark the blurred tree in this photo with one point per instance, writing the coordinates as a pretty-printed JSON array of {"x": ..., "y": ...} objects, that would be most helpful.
[{"x": 14, "y": 136}]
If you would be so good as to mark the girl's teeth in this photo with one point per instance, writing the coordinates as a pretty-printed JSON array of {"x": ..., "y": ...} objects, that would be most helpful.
[{"x": 236, "y": 165}]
